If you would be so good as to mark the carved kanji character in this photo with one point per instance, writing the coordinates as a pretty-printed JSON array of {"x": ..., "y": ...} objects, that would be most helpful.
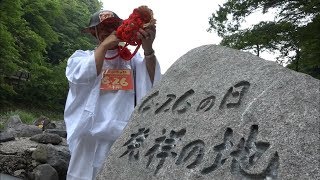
[
  {"x": 165, "y": 104},
  {"x": 163, "y": 148},
  {"x": 206, "y": 103},
  {"x": 222, "y": 152},
  {"x": 146, "y": 104},
  {"x": 248, "y": 152},
  {"x": 194, "y": 148},
  {"x": 134, "y": 143},
  {"x": 234, "y": 95},
  {"x": 182, "y": 105}
]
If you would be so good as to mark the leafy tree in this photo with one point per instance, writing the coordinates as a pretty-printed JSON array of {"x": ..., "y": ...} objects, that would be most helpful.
[
  {"x": 295, "y": 32},
  {"x": 37, "y": 36},
  {"x": 74, "y": 16},
  {"x": 10, "y": 22}
]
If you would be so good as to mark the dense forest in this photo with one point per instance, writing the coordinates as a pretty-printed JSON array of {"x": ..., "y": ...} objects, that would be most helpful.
[
  {"x": 37, "y": 37},
  {"x": 294, "y": 35}
]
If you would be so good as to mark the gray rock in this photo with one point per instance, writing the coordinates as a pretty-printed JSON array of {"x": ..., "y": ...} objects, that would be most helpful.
[
  {"x": 40, "y": 154},
  {"x": 20, "y": 145},
  {"x": 20, "y": 154},
  {"x": 14, "y": 163},
  {"x": 45, "y": 172},
  {"x": 5, "y": 136},
  {"x": 59, "y": 157},
  {"x": 219, "y": 113},
  {"x": 47, "y": 138},
  {"x": 14, "y": 121},
  {"x": 19, "y": 173},
  {"x": 60, "y": 124},
  {"x": 23, "y": 130},
  {"x": 61, "y": 133},
  {"x": 8, "y": 177}
]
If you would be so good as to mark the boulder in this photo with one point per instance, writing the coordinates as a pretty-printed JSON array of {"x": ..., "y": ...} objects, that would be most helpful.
[
  {"x": 47, "y": 138},
  {"x": 220, "y": 113}
]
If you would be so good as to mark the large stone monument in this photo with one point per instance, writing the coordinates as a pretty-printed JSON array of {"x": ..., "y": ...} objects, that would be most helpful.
[{"x": 220, "y": 113}]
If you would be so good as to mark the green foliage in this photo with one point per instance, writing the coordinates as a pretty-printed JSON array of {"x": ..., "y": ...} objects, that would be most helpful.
[
  {"x": 28, "y": 115},
  {"x": 295, "y": 32},
  {"x": 37, "y": 36},
  {"x": 31, "y": 113},
  {"x": 25, "y": 117}
]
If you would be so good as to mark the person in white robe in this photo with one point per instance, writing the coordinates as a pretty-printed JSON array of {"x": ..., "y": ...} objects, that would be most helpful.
[{"x": 98, "y": 106}]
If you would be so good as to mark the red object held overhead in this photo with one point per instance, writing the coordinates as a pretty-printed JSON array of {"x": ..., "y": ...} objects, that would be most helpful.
[{"x": 141, "y": 17}]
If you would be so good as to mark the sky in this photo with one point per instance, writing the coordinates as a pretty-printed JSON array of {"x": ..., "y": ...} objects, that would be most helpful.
[{"x": 181, "y": 25}]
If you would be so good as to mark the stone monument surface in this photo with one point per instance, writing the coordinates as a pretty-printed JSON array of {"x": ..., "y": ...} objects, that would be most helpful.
[{"x": 220, "y": 113}]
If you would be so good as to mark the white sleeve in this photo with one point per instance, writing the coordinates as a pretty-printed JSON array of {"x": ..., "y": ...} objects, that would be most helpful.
[
  {"x": 142, "y": 81},
  {"x": 81, "y": 67}
]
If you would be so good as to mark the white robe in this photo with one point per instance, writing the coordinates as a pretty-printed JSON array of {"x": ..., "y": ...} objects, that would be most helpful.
[{"x": 94, "y": 118}]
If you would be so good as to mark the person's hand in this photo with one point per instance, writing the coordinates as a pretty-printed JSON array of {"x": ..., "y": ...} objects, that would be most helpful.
[
  {"x": 111, "y": 41},
  {"x": 147, "y": 37}
]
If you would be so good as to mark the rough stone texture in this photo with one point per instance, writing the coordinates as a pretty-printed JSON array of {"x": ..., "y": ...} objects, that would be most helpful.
[
  {"x": 40, "y": 154},
  {"x": 45, "y": 172},
  {"x": 24, "y": 130},
  {"x": 60, "y": 124},
  {"x": 47, "y": 138},
  {"x": 15, "y": 163},
  {"x": 220, "y": 113},
  {"x": 14, "y": 121},
  {"x": 59, "y": 157},
  {"x": 5, "y": 136},
  {"x": 20, "y": 157},
  {"x": 21, "y": 144},
  {"x": 8, "y": 177},
  {"x": 16, "y": 128},
  {"x": 61, "y": 133}
]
